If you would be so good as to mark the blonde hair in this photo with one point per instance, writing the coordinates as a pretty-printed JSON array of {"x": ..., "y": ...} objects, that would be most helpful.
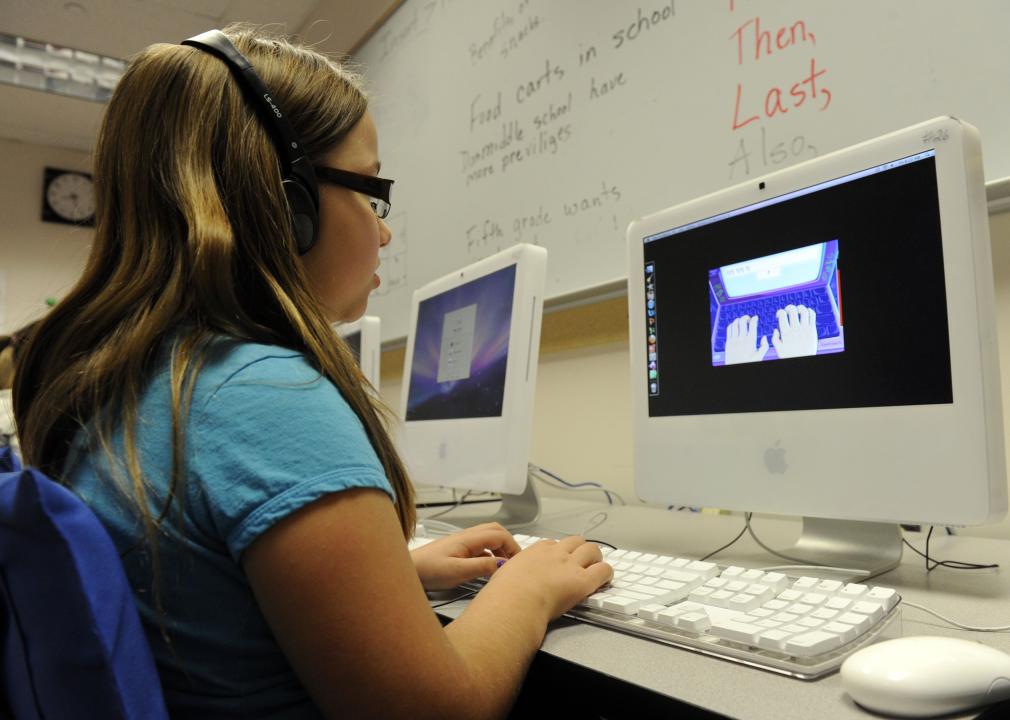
[{"x": 192, "y": 240}]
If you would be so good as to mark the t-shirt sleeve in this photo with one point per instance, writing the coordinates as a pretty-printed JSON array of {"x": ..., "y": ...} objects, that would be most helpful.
[{"x": 271, "y": 438}]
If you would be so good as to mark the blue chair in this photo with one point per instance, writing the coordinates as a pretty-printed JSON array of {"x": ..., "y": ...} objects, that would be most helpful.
[{"x": 71, "y": 642}]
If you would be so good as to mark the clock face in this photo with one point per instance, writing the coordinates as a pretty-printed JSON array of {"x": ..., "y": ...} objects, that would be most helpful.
[{"x": 69, "y": 197}]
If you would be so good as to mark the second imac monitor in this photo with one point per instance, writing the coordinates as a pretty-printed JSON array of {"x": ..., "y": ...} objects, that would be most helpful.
[
  {"x": 470, "y": 373},
  {"x": 822, "y": 343},
  {"x": 363, "y": 338}
]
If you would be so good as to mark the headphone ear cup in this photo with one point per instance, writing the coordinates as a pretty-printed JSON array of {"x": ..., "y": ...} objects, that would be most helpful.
[{"x": 304, "y": 214}]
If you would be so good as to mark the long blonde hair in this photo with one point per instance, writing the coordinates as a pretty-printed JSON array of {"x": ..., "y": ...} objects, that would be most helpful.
[{"x": 192, "y": 240}]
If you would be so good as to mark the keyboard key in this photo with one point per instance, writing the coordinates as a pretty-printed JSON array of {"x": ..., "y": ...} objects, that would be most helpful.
[
  {"x": 790, "y": 595},
  {"x": 706, "y": 569},
  {"x": 776, "y": 581},
  {"x": 734, "y": 630},
  {"x": 856, "y": 620},
  {"x": 799, "y": 609},
  {"x": 838, "y": 603},
  {"x": 829, "y": 587},
  {"x": 694, "y": 621},
  {"x": 732, "y": 572},
  {"x": 776, "y": 604},
  {"x": 622, "y": 604},
  {"x": 846, "y": 632},
  {"x": 885, "y": 596},
  {"x": 824, "y": 614},
  {"x": 813, "y": 643},
  {"x": 596, "y": 600},
  {"x": 691, "y": 579},
  {"x": 774, "y": 639},
  {"x": 649, "y": 612},
  {"x": 874, "y": 610},
  {"x": 752, "y": 576},
  {"x": 814, "y": 599},
  {"x": 806, "y": 583},
  {"x": 853, "y": 591},
  {"x": 744, "y": 602}
]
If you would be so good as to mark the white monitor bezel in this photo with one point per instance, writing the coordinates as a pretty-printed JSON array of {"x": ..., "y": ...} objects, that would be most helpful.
[
  {"x": 925, "y": 452},
  {"x": 483, "y": 454},
  {"x": 370, "y": 351}
]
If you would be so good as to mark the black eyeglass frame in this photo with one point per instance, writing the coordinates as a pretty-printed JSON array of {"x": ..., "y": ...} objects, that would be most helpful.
[{"x": 376, "y": 188}]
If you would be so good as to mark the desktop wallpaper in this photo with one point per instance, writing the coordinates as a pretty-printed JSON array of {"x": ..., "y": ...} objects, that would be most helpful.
[{"x": 480, "y": 311}]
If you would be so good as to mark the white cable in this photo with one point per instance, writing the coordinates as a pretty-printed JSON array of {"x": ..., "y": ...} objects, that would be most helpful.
[
  {"x": 559, "y": 486},
  {"x": 591, "y": 525},
  {"x": 975, "y": 628}
]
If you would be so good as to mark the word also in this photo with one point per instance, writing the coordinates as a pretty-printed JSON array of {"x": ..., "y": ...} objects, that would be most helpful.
[
  {"x": 780, "y": 152},
  {"x": 779, "y": 102},
  {"x": 642, "y": 23}
]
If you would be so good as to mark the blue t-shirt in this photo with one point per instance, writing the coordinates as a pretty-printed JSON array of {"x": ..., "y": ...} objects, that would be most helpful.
[{"x": 266, "y": 436}]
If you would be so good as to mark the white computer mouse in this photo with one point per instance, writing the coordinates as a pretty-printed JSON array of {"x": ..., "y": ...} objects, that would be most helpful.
[{"x": 926, "y": 676}]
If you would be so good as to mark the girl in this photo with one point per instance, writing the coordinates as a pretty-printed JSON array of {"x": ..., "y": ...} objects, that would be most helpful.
[{"x": 191, "y": 390}]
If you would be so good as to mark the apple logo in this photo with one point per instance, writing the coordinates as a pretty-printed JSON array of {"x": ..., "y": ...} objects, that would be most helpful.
[{"x": 775, "y": 459}]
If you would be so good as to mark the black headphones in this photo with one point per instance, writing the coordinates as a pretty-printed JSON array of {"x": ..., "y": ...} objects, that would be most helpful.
[{"x": 299, "y": 179}]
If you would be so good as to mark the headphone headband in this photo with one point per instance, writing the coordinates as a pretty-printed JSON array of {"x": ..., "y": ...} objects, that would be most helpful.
[{"x": 299, "y": 180}]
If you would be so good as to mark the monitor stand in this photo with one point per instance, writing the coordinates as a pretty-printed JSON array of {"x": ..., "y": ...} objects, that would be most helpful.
[
  {"x": 869, "y": 546},
  {"x": 518, "y": 510}
]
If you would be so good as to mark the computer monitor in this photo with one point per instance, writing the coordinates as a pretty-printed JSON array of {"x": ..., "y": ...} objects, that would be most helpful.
[
  {"x": 469, "y": 377},
  {"x": 362, "y": 337},
  {"x": 821, "y": 342}
]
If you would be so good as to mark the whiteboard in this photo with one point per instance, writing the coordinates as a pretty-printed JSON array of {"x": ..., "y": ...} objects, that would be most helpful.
[{"x": 557, "y": 122}]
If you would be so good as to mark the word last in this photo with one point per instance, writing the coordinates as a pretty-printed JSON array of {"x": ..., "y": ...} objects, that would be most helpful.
[{"x": 779, "y": 102}]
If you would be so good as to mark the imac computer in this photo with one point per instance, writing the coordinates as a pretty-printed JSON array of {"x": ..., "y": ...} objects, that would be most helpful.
[
  {"x": 362, "y": 337},
  {"x": 821, "y": 342},
  {"x": 469, "y": 376}
]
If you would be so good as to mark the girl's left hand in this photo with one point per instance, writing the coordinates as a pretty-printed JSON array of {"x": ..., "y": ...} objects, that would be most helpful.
[{"x": 457, "y": 558}]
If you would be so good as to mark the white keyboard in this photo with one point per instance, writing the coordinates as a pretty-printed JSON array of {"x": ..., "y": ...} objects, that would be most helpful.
[{"x": 799, "y": 626}]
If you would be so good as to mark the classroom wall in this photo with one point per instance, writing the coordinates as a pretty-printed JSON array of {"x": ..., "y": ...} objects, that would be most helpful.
[
  {"x": 582, "y": 421},
  {"x": 37, "y": 259}
]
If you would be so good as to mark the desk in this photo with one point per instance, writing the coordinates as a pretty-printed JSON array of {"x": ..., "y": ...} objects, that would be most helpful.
[{"x": 979, "y": 597}]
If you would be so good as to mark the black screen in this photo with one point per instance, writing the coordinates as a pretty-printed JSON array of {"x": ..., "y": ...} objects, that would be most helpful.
[{"x": 885, "y": 224}]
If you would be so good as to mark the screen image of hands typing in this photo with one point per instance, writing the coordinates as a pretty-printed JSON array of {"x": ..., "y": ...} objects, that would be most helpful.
[{"x": 771, "y": 375}]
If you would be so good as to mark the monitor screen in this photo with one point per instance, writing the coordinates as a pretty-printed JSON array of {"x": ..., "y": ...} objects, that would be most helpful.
[
  {"x": 362, "y": 338},
  {"x": 461, "y": 346},
  {"x": 353, "y": 341},
  {"x": 799, "y": 302}
]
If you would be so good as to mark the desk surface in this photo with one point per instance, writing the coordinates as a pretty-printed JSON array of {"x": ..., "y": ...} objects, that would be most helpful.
[{"x": 979, "y": 597}]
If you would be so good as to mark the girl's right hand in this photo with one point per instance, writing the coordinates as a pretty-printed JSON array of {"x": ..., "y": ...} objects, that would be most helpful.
[{"x": 559, "y": 573}]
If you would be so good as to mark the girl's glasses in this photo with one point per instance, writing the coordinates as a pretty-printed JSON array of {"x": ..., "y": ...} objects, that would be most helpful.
[{"x": 375, "y": 188}]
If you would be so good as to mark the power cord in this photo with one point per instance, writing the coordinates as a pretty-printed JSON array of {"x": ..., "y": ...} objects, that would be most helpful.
[
  {"x": 546, "y": 477},
  {"x": 731, "y": 542},
  {"x": 951, "y": 564}
]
